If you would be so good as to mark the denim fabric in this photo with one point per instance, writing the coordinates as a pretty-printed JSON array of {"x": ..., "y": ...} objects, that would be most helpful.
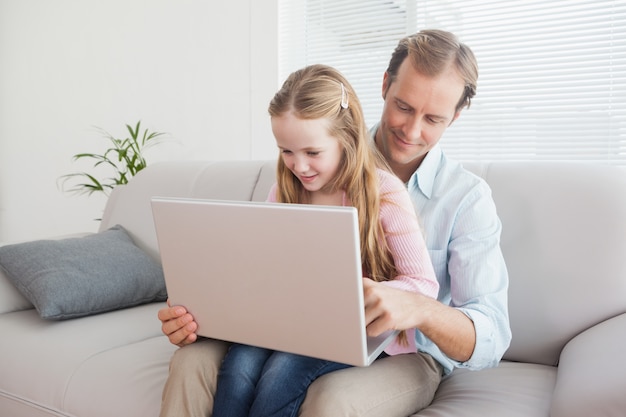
[{"x": 259, "y": 382}]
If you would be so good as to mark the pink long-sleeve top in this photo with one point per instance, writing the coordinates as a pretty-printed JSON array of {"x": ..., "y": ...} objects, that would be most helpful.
[{"x": 415, "y": 271}]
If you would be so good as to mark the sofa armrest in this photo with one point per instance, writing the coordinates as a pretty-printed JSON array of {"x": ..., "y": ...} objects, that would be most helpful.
[{"x": 591, "y": 380}]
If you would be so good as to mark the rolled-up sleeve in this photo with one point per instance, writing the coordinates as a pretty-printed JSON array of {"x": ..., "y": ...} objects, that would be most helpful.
[{"x": 478, "y": 276}]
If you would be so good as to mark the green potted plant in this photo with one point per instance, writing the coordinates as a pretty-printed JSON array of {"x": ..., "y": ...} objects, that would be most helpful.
[{"x": 124, "y": 158}]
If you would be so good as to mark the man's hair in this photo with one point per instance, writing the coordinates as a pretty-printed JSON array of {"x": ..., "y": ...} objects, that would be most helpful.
[{"x": 431, "y": 52}]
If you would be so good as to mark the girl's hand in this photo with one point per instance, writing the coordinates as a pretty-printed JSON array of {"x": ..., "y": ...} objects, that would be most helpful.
[{"x": 178, "y": 325}]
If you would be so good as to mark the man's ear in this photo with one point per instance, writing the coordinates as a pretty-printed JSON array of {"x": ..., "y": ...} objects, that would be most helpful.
[{"x": 386, "y": 83}]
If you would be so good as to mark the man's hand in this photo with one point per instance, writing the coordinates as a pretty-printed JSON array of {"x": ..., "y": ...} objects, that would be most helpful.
[
  {"x": 388, "y": 308},
  {"x": 178, "y": 325}
]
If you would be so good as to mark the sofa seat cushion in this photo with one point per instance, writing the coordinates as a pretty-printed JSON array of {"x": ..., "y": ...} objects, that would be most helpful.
[
  {"x": 512, "y": 389},
  {"x": 84, "y": 366}
]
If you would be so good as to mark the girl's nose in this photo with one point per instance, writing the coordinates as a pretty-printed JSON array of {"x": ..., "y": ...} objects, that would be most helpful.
[{"x": 300, "y": 164}]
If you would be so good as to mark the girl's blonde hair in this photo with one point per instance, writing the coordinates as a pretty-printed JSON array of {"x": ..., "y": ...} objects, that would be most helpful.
[{"x": 317, "y": 92}]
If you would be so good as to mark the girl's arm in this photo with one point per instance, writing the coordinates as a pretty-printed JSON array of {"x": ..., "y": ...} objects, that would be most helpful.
[
  {"x": 271, "y": 196},
  {"x": 405, "y": 239}
]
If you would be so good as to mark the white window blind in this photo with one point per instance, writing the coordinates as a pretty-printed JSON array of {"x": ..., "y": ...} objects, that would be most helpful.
[
  {"x": 552, "y": 82},
  {"x": 355, "y": 36}
]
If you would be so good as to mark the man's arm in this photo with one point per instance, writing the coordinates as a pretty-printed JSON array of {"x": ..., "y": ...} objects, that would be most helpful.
[
  {"x": 469, "y": 326},
  {"x": 389, "y": 308}
]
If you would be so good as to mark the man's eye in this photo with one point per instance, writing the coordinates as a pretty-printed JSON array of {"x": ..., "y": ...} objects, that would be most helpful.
[
  {"x": 433, "y": 121},
  {"x": 402, "y": 107}
]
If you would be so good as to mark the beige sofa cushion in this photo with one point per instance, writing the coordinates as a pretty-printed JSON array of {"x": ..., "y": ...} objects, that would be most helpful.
[
  {"x": 523, "y": 390},
  {"x": 112, "y": 364},
  {"x": 563, "y": 240}
]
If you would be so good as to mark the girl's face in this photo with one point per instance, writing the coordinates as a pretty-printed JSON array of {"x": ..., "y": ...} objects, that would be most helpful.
[{"x": 307, "y": 149}]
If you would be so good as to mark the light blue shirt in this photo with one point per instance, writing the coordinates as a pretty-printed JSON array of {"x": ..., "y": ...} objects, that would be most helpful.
[{"x": 462, "y": 231}]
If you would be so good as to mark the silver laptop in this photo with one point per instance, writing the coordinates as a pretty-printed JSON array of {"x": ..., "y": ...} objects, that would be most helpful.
[{"x": 280, "y": 276}]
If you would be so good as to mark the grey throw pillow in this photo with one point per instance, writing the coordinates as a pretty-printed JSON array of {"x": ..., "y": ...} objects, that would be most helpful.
[{"x": 77, "y": 277}]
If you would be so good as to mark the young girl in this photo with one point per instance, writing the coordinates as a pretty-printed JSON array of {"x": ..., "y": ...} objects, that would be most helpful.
[{"x": 326, "y": 157}]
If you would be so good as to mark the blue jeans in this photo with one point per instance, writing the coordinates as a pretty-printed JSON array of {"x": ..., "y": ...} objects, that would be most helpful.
[{"x": 259, "y": 382}]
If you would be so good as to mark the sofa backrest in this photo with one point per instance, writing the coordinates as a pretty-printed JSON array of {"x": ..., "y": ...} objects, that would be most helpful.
[
  {"x": 564, "y": 242},
  {"x": 564, "y": 235},
  {"x": 129, "y": 205}
]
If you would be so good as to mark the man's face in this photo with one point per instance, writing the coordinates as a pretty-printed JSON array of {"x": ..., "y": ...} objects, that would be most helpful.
[{"x": 416, "y": 112}]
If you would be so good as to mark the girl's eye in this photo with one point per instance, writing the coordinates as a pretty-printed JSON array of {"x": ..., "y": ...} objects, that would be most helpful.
[
  {"x": 313, "y": 153},
  {"x": 285, "y": 151}
]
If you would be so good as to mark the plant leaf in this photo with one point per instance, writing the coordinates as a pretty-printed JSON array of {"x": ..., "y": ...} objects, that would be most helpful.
[{"x": 124, "y": 158}]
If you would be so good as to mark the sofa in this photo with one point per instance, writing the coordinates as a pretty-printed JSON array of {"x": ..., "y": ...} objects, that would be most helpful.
[{"x": 564, "y": 241}]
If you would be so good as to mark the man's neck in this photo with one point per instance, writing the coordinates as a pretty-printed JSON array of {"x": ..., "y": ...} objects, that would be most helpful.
[{"x": 404, "y": 171}]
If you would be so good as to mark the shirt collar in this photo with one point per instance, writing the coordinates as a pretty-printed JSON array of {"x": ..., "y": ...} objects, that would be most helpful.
[{"x": 424, "y": 177}]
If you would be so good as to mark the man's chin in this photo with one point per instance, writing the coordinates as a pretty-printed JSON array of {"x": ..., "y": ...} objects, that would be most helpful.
[{"x": 402, "y": 159}]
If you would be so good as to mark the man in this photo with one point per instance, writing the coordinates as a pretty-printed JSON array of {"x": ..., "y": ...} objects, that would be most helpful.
[{"x": 431, "y": 77}]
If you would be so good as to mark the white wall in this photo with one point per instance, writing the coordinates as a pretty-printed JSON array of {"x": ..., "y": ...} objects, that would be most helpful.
[{"x": 203, "y": 71}]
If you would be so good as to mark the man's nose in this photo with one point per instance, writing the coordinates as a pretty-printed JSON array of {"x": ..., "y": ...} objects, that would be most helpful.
[{"x": 413, "y": 128}]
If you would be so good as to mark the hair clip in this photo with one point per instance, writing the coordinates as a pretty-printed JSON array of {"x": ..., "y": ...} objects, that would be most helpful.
[{"x": 344, "y": 97}]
